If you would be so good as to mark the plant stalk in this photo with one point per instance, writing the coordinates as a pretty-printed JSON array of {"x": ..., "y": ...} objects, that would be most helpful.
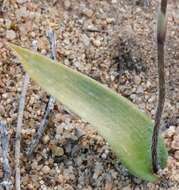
[{"x": 161, "y": 36}]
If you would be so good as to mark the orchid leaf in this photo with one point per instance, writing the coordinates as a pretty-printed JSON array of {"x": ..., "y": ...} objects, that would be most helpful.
[{"x": 127, "y": 130}]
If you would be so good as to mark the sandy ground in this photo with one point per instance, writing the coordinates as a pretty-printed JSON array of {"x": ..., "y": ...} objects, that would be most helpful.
[{"x": 112, "y": 41}]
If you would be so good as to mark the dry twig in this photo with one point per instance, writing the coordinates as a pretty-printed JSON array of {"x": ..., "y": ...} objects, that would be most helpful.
[
  {"x": 19, "y": 126},
  {"x": 6, "y": 183},
  {"x": 18, "y": 130},
  {"x": 161, "y": 35},
  {"x": 44, "y": 123}
]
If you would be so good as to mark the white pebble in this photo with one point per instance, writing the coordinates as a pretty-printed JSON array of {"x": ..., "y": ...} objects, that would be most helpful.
[
  {"x": 10, "y": 34},
  {"x": 45, "y": 169}
]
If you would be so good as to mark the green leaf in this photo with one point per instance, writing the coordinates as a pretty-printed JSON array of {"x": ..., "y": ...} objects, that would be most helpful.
[{"x": 127, "y": 130}]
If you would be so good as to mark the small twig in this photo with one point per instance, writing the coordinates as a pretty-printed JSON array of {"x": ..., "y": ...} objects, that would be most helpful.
[
  {"x": 92, "y": 30},
  {"x": 161, "y": 35},
  {"x": 19, "y": 126},
  {"x": 95, "y": 30},
  {"x": 44, "y": 123},
  {"x": 18, "y": 130},
  {"x": 6, "y": 184},
  {"x": 52, "y": 40}
]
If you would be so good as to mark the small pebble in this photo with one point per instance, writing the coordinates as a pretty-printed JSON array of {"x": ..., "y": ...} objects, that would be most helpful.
[
  {"x": 85, "y": 39},
  {"x": 175, "y": 143},
  {"x": 45, "y": 139},
  {"x": 140, "y": 90},
  {"x": 34, "y": 165},
  {"x": 45, "y": 169},
  {"x": 96, "y": 42},
  {"x": 110, "y": 20},
  {"x": 137, "y": 79},
  {"x": 67, "y": 4},
  {"x": 87, "y": 12},
  {"x": 176, "y": 155},
  {"x": 170, "y": 131},
  {"x": 8, "y": 23},
  {"x": 10, "y": 34},
  {"x": 60, "y": 179},
  {"x": 57, "y": 151},
  {"x": 22, "y": 12},
  {"x": 30, "y": 186}
]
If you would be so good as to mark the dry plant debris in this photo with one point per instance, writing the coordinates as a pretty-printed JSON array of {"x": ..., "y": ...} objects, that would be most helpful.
[{"x": 50, "y": 105}]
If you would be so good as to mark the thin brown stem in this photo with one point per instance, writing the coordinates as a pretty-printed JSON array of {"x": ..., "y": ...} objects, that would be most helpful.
[
  {"x": 164, "y": 6},
  {"x": 161, "y": 35}
]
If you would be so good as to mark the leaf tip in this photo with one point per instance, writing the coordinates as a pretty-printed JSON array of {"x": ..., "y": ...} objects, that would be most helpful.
[
  {"x": 20, "y": 52},
  {"x": 12, "y": 46}
]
